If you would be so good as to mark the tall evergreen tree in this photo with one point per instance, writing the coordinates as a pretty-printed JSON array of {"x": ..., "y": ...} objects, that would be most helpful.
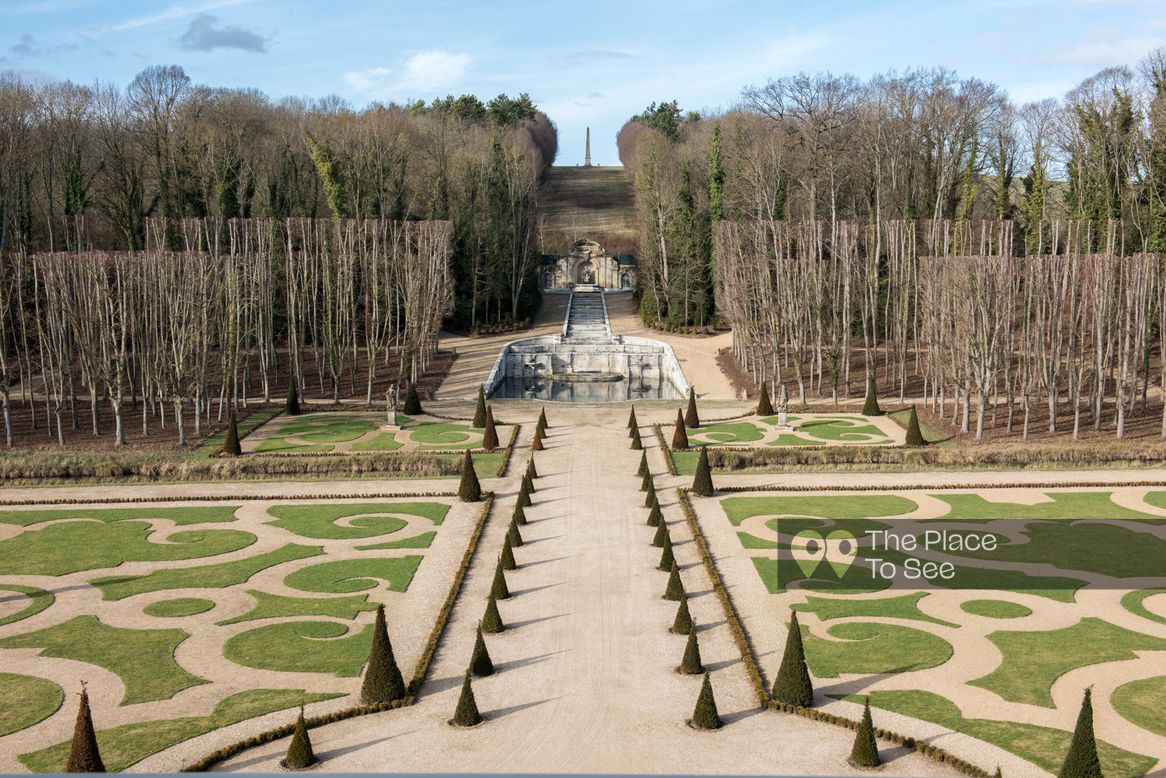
[
  {"x": 480, "y": 662},
  {"x": 299, "y": 751},
  {"x": 705, "y": 715},
  {"x": 865, "y": 752},
  {"x": 84, "y": 755},
  {"x": 466, "y": 714},
  {"x": 383, "y": 682},
  {"x": 679, "y": 433},
  {"x": 1081, "y": 760},
  {"x": 793, "y": 685},
  {"x": 469, "y": 489},
  {"x": 479, "y": 421},
  {"x": 690, "y": 664},
  {"x": 702, "y": 482},
  {"x": 231, "y": 446},
  {"x": 764, "y": 406},
  {"x": 691, "y": 417}
]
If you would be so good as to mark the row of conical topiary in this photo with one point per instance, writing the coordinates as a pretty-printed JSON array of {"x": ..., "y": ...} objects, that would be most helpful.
[{"x": 870, "y": 407}]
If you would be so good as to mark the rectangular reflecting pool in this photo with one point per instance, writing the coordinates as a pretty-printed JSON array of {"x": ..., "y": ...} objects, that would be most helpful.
[{"x": 515, "y": 387}]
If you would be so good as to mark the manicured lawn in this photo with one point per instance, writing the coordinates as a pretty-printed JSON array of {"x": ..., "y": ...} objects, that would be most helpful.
[
  {"x": 179, "y": 607},
  {"x": 384, "y": 441},
  {"x": 1064, "y": 505},
  {"x": 1043, "y": 746},
  {"x": 328, "y": 428},
  {"x": 195, "y": 514},
  {"x": 276, "y": 445},
  {"x": 71, "y": 546},
  {"x": 355, "y": 575},
  {"x": 270, "y": 606},
  {"x": 845, "y": 506},
  {"x": 435, "y": 436},
  {"x": 1140, "y": 702},
  {"x": 424, "y": 540},
  {"x": 1034, "y": 660},
  {"x": 374, "y": 519},
  {"x": 39, "y": 599},
  {"x": 870, "y": 648},
  {"x": 729, "y": 433},
  {"x": 214, "y": 576},
  {"x": 995, "y": 609},
  {"x": 142, "y": 658},
  {"x": 905, "y": 606},
  {"x": 302, "y": 647},
  {"x": 776, "y": 575},
  {"x": 842, "y": 430},
  {"x": 214, "y": 444},
  {"x": 1132, "y": 601},
  {"x": 930, "y": 434},
  {"x": 25, "y": 700},
  {"x": 128, "y": 744}
]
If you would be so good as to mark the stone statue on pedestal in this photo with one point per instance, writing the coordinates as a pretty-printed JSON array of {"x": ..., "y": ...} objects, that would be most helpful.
[
  {"x": 782, "y": 408},
  {"x": 391, "y": 409}
]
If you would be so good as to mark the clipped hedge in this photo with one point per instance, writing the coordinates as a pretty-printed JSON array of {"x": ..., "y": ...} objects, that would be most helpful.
[
  {"x": 227, "y": 498},
  {"x": 666, "y": 449},
  {"x": 508, "y": 451}
]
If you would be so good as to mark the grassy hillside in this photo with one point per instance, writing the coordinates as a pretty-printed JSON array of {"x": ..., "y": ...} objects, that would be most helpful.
[{"x": 596, "y": 203}]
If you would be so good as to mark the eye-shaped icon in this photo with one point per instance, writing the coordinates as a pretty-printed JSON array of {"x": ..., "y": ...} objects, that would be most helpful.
[{"x": 808, "y": 548}]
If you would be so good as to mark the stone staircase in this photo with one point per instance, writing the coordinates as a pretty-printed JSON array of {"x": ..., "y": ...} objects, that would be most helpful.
[{"x": 587, "y": 317}]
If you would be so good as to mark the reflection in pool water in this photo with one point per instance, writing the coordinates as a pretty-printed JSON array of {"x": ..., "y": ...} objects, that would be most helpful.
[{"x": 584, "y": 391}]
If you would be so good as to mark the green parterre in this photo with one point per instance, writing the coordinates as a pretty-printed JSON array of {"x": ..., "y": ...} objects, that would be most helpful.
[
  {"x": 272, "y": 585},
  {"x": 1070, "y": 592}
]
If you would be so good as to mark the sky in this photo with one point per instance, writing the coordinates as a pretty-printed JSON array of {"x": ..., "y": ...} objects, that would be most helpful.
[{"x": 586, "y": 63}]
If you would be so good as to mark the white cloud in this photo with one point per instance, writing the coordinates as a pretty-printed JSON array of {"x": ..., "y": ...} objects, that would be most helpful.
[
  {"x": 1104, "y": 53},
  {"x": 424, "y": 72},
  {"x": 172, "y": 12}
]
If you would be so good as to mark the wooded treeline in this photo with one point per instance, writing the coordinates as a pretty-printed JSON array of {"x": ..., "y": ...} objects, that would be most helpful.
[
  {"x": 948, "y": 304},
  {"x": 197, "y": 330},
  {"x": 84, "y": 168},
  {"x": 925, "y": 144}
]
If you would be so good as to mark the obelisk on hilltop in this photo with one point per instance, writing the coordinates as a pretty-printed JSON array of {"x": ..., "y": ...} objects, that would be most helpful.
[{"x": 587, "y": 151}]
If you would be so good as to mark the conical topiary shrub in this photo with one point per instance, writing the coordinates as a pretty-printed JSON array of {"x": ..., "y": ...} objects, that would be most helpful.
[
  {"x": 764, "y": 406},
  {"x": 531, "y": 470},
  {"x": 691, "y": 417},
  {"x": 480, "y": 663},
  {"x": 519, "y": 515},
  {"x": 702, "y": 482},
  {"x": 655, "y": 518},
  {"x": 490, "y": 436},
  {"x": 871, "y": 406},
  {"x": 466, "y": 714},
  {"x": 690, "y": 664},
  {"x": 646, "y": 482},
  {"x": 499, "y": 590},
  {"x": 231, "y": 445},
  {"x": 528, "y": 482},
  {"x": 650, "y": 497},
  {"x": 479, "y": 421},
  {"x": 383, "y": 682},
  {"x": 299, "y": 751},
  {"x": 84, "y": 756},
  {"x": 292, "y": 406},
  {"x": 866, "y": 751},
  {"x": 524, "y": 495},
  {"x": 674, "y": 590},
  {"x": 658, "y": 538},
  {"x": 507, "y": 557},
  {"x": 1081, "y": 760},
  {"x": 679, "y": 433},
  {"x": 637, "y": 444},
  {"x": 666, "y": 558},
  {"x": 537, "y": 443},
  {"x": 513, "y": 535},
  {"x": 632, "y": 422},
  {"x": 793, "y": 685},
  {"x": 492, "y": 620},
  {"x": 470, "y": 489},
  {"x": 705, "y": 715},
  {"x": 643, "y": 468},
  {"x": 914, "y": 433},
  {"x": 682, "y": 624},
  {"x": 412, "y": 401},
  {"x": 542, "y": 419}
]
